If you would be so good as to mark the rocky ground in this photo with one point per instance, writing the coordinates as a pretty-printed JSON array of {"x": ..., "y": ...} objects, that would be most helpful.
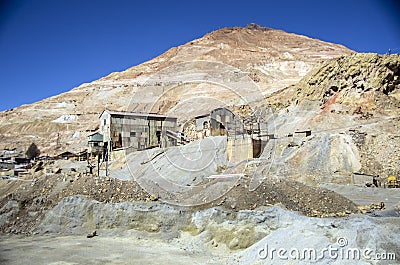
[
  {"x": 133, "y": 233},
  {"x": 51, "y": 212},
  {"x": 24, "y": 203},
  {"x": 122, "y": 249}
]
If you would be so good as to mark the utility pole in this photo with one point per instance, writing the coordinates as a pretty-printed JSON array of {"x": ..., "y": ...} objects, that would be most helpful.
[
  {"x": 106, "y": 167},
  {"x": 98, "y": 165}
]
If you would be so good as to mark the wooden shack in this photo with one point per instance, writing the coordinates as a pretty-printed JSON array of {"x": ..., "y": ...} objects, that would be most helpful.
[
  {"x": 136, "y": 131},
  {"x": 95, "y": 143}
]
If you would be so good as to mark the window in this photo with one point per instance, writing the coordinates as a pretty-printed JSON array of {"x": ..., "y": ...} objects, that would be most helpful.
[{"x": 133, "y": 134}]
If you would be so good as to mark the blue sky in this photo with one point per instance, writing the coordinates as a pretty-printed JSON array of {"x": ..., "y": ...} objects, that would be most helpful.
[{"x": 51, "y": 46}]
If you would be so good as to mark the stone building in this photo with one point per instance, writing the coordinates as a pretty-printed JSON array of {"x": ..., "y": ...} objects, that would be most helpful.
[
  {"x": 219, "y": 122},
  {"x": 243, "y": 142}
]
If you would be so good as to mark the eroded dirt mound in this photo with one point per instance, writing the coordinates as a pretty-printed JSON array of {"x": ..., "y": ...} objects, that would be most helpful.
[
  {"x": 291, "y": 194},
  {"x": 25, "y": 203}
]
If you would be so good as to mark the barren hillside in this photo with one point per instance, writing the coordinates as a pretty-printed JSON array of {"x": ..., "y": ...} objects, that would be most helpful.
[
  {"x": 273, "y": 59},
  {"x": 351, "y": 105}
]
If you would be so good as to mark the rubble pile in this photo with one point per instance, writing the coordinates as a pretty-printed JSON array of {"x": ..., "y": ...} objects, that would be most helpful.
[
  {"x": 25, "y": 203},
  {"x": 292, "y": 195}
]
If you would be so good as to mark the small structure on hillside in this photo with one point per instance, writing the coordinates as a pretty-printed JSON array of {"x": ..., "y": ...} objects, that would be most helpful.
[
  {"x": 304, "y": 133},
  {"x": 13, "y": 162},
  {"x": 136, "y": 131},
  {"x": 6, "y": 165},
  {"x": 216, "y": 123},
  {"x": 95, "y": 143},
  {"x": 9, "y": 153},
  {"x": 67, "y": 155},
  {"x": 243, "y": 138}
]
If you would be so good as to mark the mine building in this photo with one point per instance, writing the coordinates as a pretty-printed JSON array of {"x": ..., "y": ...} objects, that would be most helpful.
[
  {"x": 243, "y": 140},
  {"x": 216, "y": 123},
  {"x": 136, "y": 131}
]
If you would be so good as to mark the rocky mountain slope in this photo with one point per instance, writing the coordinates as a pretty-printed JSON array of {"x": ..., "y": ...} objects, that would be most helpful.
[
  {"x": 273, "y": 59},
  {"x": 359, "y": 82},
  {"x": 351, "y": 105},
  {"x": 349, "y": 101}
]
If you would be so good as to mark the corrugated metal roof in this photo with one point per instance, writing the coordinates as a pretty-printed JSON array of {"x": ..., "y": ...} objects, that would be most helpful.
[
  {"x": 135, "y": 114},
  {"x": 96, "y": 137}
]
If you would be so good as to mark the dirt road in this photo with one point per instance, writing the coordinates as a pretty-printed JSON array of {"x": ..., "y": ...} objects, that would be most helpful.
[{"x": 100, "y": 250}]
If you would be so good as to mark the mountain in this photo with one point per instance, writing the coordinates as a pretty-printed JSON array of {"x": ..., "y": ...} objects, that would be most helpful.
[
  {"x": 271, "y": 59},
  {"x": 351, "y": 105},
  {"x": 363, "y": 81}
]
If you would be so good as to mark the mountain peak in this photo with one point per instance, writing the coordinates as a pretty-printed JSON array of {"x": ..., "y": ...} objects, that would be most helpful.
[
  {"x": 273, "y": 59},
  {"x": 254, "y": 26}
]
